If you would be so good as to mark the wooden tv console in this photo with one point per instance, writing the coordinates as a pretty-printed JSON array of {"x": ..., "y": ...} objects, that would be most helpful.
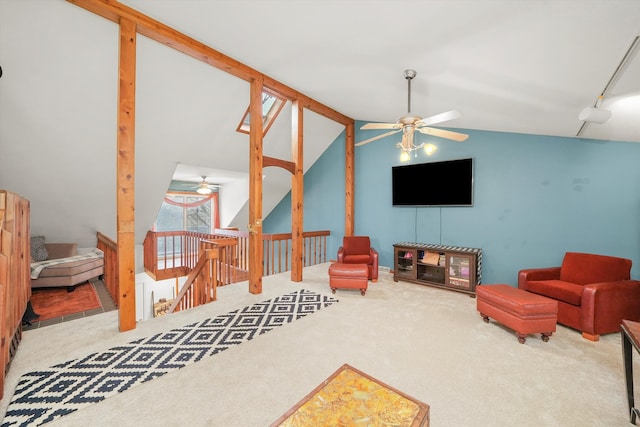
[{"x": 450, "y": 267}]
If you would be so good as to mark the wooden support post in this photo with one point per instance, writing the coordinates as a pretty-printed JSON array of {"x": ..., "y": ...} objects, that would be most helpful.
[
  {"x": 297, "y": 193},
  {"x": 349, "y": 225},
  {"x": 256, "y": 251},
  {"x": 125, "y": 199}
]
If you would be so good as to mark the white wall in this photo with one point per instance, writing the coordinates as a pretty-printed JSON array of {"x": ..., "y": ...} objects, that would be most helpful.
[
  {"x": 58, "y": 123},
  {"x": 148, "y": 292}
]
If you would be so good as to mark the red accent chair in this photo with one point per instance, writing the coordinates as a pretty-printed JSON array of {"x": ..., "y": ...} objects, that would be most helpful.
[
  {"x": 358, "y": 250},
  {"x": 594, "y": 292}
]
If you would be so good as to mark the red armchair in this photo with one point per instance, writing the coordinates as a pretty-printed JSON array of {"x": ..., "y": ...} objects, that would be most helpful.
[
  {"x": 594, "y": 292},
  {"x": 358, "y": 250}
]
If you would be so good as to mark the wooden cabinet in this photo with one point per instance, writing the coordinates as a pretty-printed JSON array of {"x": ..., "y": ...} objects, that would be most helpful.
[
  {"x": 449, "y": 267},
  {"x": 15, "y": 277}
]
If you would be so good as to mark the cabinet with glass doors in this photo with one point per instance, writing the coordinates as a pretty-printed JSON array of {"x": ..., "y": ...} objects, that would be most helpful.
[{"x": 451, "y": 267}]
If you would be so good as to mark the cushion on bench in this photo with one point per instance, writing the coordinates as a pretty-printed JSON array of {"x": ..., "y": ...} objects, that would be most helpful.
[{"x": 68, "y": 271}]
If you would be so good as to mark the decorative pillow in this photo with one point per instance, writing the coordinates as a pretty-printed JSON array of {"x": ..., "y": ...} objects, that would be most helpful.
[{"x": 38, "y": 249}]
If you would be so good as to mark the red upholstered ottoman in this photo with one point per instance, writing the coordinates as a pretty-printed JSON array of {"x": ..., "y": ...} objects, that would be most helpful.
[
  {"x": 524, "y": 312},
  {"x": 348, "y": 276}
]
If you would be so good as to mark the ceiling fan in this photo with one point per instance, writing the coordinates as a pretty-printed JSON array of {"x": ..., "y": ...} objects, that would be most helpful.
[
  {"x": 204, "y": 187},
  {"x": 409, "y": 123}
]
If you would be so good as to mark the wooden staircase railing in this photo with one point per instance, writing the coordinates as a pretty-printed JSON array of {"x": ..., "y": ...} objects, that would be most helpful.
[
  {"x": 170, "y": 254},
  {"x": 174, "y": 253},
  {"x": 110, "y": 277},
  {"x": 211, "y": 270},
  {"x": 223, "y": 255},
  {"x": 277, "y": 250}
]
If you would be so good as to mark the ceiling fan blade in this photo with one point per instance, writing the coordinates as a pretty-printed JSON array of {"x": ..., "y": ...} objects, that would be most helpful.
[
  {"x": 366, "y": 141},
  {"x": 380, "y": 126},
  {"x": 438, "y": 118},
  {"x": 455, "y": 136}
]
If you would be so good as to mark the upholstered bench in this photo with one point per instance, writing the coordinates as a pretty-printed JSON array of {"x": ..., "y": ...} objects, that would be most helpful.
[
  {"x": 63, "y": 267},
  {"x": 524, "y": 312},
  {"x": 348, "y": 276}
]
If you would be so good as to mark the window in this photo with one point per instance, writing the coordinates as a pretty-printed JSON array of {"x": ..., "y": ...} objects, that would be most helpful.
[
  {"x": 271, "y": 106},
  {"x": 188, "y": 212}
]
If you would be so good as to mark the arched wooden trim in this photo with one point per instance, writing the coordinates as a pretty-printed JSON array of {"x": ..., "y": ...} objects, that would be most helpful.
[{"x": 284, "y": 164}]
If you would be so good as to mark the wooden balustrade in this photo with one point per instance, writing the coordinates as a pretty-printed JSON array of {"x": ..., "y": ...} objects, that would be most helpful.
[
  {"x": 223, "y": 255},
  {"x": 242, "y": 250},
  {"x": 228, "y": 260},
  {"x": 208, "y": 273},
  {"x": 169, "y": 254},
  {"x": 174, "y": 253},
  {"x": 315, "y": 247},
  {"x": 277, "y": 250},
  {"x": 212, "y": 260},
  {"x": 110, "y": 276}
]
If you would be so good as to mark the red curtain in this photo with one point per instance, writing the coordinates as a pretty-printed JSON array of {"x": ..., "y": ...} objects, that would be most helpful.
[{"x": 214, "y": 206}]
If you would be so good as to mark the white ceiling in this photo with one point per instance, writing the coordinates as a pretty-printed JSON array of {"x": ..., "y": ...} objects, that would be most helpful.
[{"x": 526, "y": 66}]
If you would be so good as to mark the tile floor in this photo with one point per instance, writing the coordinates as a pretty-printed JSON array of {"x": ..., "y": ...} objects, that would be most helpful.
[{"x": 105, "y": 300}]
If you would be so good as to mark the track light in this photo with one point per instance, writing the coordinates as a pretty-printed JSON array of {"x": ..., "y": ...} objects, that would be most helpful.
[{"x": 594, "y": 115}]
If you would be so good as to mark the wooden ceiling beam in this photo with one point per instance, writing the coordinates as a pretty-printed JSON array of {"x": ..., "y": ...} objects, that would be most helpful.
[{"x": 155, "y": 30}]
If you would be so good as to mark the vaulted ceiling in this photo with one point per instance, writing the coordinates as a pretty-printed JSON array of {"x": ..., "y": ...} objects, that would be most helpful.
[
  {"x": 519, "y": 66},
  {"x": 526, "y": 66}
]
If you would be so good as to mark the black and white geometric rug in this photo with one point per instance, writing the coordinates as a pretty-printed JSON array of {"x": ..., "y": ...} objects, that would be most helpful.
[{"x": 48, "y": 394}]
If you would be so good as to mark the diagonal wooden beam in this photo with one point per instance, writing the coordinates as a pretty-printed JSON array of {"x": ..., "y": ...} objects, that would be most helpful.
[{"x": 155, "y": 30}]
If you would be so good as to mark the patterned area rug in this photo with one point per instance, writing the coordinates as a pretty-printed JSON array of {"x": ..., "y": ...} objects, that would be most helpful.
[{"x": 48, "y": 394}]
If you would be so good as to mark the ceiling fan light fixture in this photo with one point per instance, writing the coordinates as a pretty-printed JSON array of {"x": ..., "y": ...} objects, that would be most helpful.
[
  {"x": 410, "y": 123},
  {"x": 404, "y": 156},
  {"x": 429, "y": 149},
  {"x": 204, "y": 190}
]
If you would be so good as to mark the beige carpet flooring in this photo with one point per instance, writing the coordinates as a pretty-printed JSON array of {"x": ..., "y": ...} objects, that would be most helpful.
[{"x": 428, "y": 342}]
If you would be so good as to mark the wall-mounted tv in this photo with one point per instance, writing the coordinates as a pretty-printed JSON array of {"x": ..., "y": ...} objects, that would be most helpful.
[{"x": 446, "y": 183}]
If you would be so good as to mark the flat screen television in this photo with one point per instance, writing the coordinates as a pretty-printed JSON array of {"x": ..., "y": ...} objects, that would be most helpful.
[{"x": 446, "y": 183}]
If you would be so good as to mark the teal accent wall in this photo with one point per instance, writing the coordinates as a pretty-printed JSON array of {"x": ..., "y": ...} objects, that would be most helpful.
[
  {"x": 535, "y": 198},
  {"x": 324, "y": 199}
]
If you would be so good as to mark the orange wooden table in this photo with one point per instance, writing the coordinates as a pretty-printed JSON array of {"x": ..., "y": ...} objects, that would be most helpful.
[{"x": 350, "y": 397}]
